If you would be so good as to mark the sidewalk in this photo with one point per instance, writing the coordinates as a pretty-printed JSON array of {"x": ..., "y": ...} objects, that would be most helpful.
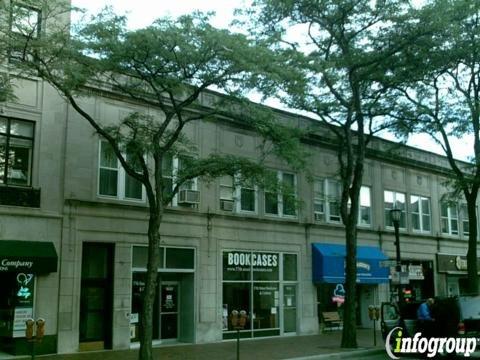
[{"x": 307, "y": 347}]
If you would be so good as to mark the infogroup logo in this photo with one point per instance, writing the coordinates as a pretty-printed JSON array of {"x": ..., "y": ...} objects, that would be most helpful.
[{"x": 430, "y": 346}]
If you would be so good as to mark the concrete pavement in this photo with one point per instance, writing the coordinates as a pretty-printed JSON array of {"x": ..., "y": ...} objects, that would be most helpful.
[{"x": 311, "y": 347}]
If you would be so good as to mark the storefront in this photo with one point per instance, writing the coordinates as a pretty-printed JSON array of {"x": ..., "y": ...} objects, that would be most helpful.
[
  {"x": 453, "y": 269},
  {"x": 420, "y": 282},
  {"x": 328, "y": 273},
  {"x": 21, "y": 264},
  {"x": 173, "y": 315},
  {"x": 264, "y": 284}
]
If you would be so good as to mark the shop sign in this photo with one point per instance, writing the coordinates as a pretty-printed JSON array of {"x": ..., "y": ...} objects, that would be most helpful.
[
  {"x": 24, "y": 290},
  {"x": 460, "y": 263},
  {"x": 339, "y": 294},
  {"x": 453, "y": 263},
  {"x": 243, "y": 261},
  {"x": 13, "y": 265},
  {"x": 21, "y": 315},
  {"x": 415, "y": 272}
]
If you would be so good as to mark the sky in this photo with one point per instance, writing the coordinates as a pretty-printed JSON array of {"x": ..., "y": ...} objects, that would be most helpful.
[{"x": 141, "y": 13}]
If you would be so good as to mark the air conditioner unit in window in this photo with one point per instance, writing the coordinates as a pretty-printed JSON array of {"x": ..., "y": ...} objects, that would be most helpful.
[
  {"x": 226, "y": 205},
  {"x": 318, "y": 216},
  {"x": 188, "y": 197}
]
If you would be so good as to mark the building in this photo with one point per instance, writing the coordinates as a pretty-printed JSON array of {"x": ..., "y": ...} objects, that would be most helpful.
[{"x": 73, "y": 233}]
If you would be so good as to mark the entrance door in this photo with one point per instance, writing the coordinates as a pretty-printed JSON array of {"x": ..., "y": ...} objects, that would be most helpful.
[
  {"x": 169, "y": 310},
  {"x": 96, "y": 297},
  {"x": 289, "y": 308}
]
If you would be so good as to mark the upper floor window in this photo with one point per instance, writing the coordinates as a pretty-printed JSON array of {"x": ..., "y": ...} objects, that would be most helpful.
[
  {"x": 449, "y": 218},
  {"x": 420, "y": 208},
  {"x": 327, "y": 198},
  {"x": 238, "y": 197},
  {"x": 465, "y": 220},
  {"x": 188, "y": 194},
  {"x": 16, "y": 151},
  {"x": 113, "y": 179},
  {"x": 25, "y": 21},
  {"x": 394, "y": 200},
  {"x": 282, "y": 202},
  {"x": 365, "y": 208}
]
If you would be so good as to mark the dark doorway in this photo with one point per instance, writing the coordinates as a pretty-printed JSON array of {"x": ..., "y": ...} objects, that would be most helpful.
[{"x": 96, "y": 296}]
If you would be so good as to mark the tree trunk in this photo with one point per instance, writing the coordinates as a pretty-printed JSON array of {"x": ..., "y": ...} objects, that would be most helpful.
[
  {"x": 151, "y": 282},
  {"x": 349, "y": 332},
  {"x": 472, "y": 266}
]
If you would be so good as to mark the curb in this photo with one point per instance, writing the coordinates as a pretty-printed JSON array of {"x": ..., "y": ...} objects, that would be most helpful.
[{"x": 352, "y": 354}]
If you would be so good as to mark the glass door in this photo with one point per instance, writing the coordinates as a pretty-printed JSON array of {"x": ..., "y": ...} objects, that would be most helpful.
[
  {"x": 169, "y": 310},
  {"x": 289, "y": 308}
]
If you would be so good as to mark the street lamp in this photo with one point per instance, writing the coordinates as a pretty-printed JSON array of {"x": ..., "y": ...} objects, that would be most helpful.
[{"x": 396, "y": 215}]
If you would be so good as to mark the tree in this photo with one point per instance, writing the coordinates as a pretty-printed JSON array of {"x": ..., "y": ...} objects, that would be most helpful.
[
  {"x": 166, "y": 67},
  {"x": 442, "y": 99},
  {"x": 344, "y": 53}
]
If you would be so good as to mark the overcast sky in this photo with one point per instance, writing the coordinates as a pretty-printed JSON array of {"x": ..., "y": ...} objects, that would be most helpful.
[{"x": 142, "y": 12}]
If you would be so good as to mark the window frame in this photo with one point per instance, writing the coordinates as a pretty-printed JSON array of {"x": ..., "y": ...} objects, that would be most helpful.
[
  {"x": 404, "y": 211},
  {"x": 238, "y": 199},
  {"x": 121, "y": 178},
  {"x": 420, "y": 213},
  {"x": 449, "y": 218},
  {"x": 280, "y": 196},
  {"x": 7, "y": 134},
  {"x": 360, "y": 206},
  {"x": 464, "y": 219},
  {"x": 37, "y": 27},
  {"x": 175, "y": 168}
]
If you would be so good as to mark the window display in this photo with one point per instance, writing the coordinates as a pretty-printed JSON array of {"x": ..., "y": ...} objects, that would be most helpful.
[{"x": 264, "y": 285}]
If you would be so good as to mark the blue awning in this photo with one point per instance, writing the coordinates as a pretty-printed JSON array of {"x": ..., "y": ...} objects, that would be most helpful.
[{"x": 328, "y": 264}]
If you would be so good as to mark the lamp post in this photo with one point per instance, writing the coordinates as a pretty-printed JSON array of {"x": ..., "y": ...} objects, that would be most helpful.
[{"x": 396, "y": 215}]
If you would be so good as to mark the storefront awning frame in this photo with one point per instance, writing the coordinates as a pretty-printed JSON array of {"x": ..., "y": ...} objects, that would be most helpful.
[
  {"x": 328, "y": 264},
  {"x": 38, "y": 257}
]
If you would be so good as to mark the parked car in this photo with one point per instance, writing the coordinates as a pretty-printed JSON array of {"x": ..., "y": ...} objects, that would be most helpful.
[{"x": 453, "y": 317}]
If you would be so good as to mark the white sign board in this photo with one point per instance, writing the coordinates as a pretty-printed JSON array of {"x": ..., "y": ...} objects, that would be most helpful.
[{"x": 22, "y": 314}]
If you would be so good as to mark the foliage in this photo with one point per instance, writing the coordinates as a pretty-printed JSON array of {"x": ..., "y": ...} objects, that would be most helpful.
[
  {"x": 344, "y": 51},
  {"x": 442, "y": 99},
  {"x": 166, "y": 69}
]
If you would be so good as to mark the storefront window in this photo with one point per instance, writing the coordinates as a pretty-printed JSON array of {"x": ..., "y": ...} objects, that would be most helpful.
[
  {"x": 252, "y": 282},
  {"x": 265, "y": 305},
  {"x": 180, "y": 258},
  {"x": 170, "y": 257},
  {"x": 265, "y": 266},
  {"x": 290, "y": 267},
  {"x": 236, "y": 266},
  {"x": 16, "y": 303},
  {"x": 236, "y": 296}
]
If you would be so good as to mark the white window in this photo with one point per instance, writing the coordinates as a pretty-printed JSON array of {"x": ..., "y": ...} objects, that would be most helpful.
[
  {"x": 113, "y": 180},
  {"x": 333, "y": 191},
  {"x": 394, "y": 200},
  {"x": 227, "y": 192},
  {"x": 326, "y": 202},
  {"x": 247, "y": 198},
  {"x": 25, "y": 21},
  {"x": 365, "y": 208},
  {"x": 465, "y": 221},
  {"x": 420, "y": 212},
  {"x": 187, "y": 194},
  {"x": 319, "y": 199},
  {"x": 449, "y": 218},
  {"x": 282, "y": 202},
  {"x": 238, "y": 197},
  {"x": 327, "y": 207}
]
